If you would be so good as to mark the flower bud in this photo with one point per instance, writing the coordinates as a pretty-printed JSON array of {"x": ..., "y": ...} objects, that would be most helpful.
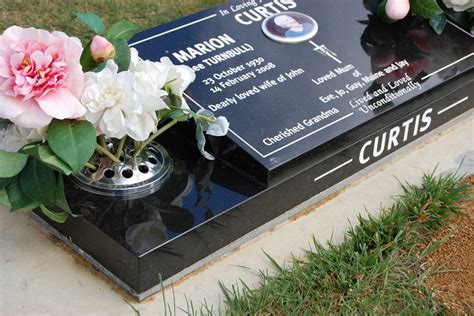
[
  {"x": 102, "y": 49},
  {"x": 397, "y": 9}
]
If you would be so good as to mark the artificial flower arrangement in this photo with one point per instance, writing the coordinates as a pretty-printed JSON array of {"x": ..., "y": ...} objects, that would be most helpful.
[
  {"x": 60, "y": 102},
  {"x": 391, "y": 11}
]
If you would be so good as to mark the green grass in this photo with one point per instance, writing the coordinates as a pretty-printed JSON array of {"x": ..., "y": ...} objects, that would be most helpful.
[
  {"x": 379, "y": 268},
  {"x": 58, "y": 14}
]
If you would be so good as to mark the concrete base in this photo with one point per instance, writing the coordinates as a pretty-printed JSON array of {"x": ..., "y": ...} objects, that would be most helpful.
[{"x": 38, "y": 277}]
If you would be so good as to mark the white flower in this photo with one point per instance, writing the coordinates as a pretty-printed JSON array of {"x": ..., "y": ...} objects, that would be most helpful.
[
  {"x": 115, "y": 108},
  {"x": 14, "y": 137},
  {"x": 126, "y": 103},
  {"x": 149, "y": 79},
  {"x": 459, "y": 5},
  {"x": 161, "y": 78},
  {"x": 219, "y": 126},
  {"x": 178, "y": 79}
]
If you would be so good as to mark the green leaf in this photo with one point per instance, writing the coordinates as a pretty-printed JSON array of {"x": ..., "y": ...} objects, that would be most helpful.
[
  {"x": 11, "y": 164},
  {"x": 87, "y": 62},
  {"x": 438, "y": 23},
  {"x": 180, "y": 114},
  {"x": 4, "y": 199},
  {"x": 425, "y": 8},
  {"x": 57, "y": 217},
  {"x": 122, "y": 54},
  {"x": 5, "y": 182},
  {"x": 18, "y": 200},
  {"x": 100, "y": 67},
  {"x": 60, "y": 197},
  {"x": 163, "y": 114},
  {"x": 72, "y": 141},
  {"x": 44, "y": 154},
  {"x": 38, "y": 182},
  {"x": 173, "y": 98},
  {"x": 123, "y": 30},
  {"x": 93, "y": 21}
]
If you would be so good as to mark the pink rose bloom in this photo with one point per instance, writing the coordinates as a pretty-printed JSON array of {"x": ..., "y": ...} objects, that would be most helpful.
[{"x": 40, "y": 76}]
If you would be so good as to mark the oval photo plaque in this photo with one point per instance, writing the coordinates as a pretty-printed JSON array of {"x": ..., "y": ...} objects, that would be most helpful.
[{"x": 290, "y": 27}]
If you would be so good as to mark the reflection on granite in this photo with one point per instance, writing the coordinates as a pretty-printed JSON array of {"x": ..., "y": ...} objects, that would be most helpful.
[
  {"x": 412, "y": 40},
  {"x": 185, "y": 201}
]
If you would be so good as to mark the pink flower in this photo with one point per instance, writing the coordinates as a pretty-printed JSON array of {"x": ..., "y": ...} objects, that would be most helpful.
[
  {"x": 102, "y": 49},
  {"x": 40, "y": 76}
]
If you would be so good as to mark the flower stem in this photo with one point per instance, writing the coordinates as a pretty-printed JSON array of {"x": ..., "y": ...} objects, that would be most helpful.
[
  {"x": 102, "y": 142},
  {"x": 207, "y": 118},
  {"x": 91, "y": 166},
  {"x": 137, "y": 144},
  {"x": 104, "y": 151},
  {"x": 156, "y": 134},
  {"x": 119, "y": 151},
  {"x": 190, "y": 112}
]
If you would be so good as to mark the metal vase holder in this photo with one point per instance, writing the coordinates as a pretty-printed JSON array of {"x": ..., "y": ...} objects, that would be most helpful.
[{"x": 132, "y": 178}]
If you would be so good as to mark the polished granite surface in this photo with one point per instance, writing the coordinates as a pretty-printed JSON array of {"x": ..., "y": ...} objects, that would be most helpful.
[
  {"x": 354, "y": 69},
  {"x": 206, "y": 205},
  {"x": 196, "y": 191}
]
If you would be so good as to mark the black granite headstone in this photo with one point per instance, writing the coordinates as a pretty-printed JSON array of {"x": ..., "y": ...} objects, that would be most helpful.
[
  {"x": 283, "y": 101},
  {"x": 303, "y": 117}
]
